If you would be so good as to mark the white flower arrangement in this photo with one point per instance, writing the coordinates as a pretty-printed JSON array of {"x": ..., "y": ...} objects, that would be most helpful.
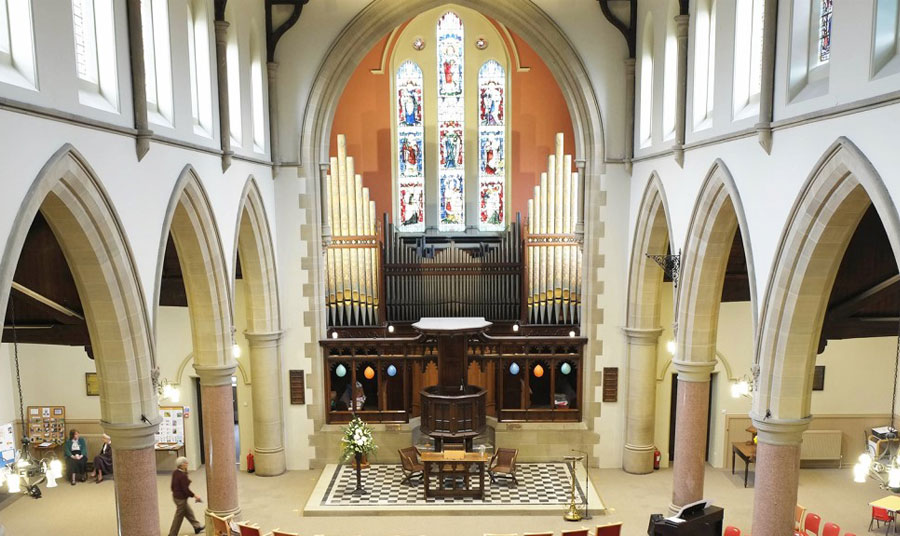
[{"x": 357, "y": 439}]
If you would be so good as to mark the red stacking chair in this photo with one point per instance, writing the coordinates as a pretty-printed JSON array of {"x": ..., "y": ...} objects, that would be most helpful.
[
  {"x": 612, "y": 529},
  {"x": 732, "y": 531},
  {"x": 831, "y": 530},
  {"x": 576, "y": 532},
  {"x": 879, "y": 515},
  {"x": 811, "y": 524}
]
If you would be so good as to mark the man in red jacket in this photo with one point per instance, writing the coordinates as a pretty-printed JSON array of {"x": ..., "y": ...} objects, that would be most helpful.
[{"x": 181, "y": 492}]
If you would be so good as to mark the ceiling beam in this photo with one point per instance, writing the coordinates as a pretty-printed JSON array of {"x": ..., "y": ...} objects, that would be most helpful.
[
  {"x": 273, "y": 33},
  {"x": 849, "y": 306},
  {"x": 628, "y": 31},
  {"x": 43, "y": 300}
]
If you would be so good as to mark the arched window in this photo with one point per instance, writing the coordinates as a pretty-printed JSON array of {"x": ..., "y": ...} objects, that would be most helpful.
[
  {"x": 885, "y": 42},
  {"x": 810, "y": 49},
  {"x": 157, "y": 61},
  {"x": 824, "y": 34},
  {"x": 233, "y": 63},
  {"x": 462, "y": 81},
  {"x": 704, "y": 63},
  {"x": 17, "y": 64},
  {"x": 198, "y": 59},
  {"x": 411, "y": 146},
  {"x": 748, "y": 44},
  {"x": 670, "y": 74},
  {"x": 257, "y": 105},
  {"x": 646, "y": 125}
]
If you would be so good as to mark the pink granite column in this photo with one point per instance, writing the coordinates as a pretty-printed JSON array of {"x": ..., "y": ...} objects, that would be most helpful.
[
  {"x": 690, "y": 431},
  {"x": 218, "y": 438},
  {"x": 777, "y": 475},
  {"x": 134, "y": 460}
]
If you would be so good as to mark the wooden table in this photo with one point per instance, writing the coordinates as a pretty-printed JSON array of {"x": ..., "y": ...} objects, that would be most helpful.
[
  {"x": 451, "y": 470},
  {"x": 891, "y": 503},
  {"x": 747, "y": 453}
]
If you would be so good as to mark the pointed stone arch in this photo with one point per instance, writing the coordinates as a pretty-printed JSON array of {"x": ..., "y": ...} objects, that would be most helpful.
[
  {"x": 718, "y": 214},
  {"x": 191, "y": 222},
  {"x": 72, "y": 199},
  {"x": 824, "y": 217},
  {"x": 255, "y": 245},
  {"x": 652, "y": 235}
]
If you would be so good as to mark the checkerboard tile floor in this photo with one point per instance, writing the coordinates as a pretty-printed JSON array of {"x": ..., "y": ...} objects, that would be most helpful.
[{"x": 539, "y": 484}]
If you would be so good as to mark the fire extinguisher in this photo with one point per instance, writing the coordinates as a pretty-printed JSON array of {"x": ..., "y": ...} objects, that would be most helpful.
[
  {"x": 251, "y": 468},
  {"x": 656, "y": 458}
]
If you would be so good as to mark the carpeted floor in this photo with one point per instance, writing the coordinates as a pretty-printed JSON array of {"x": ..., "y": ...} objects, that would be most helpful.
[{"x": 89, "y": 509}]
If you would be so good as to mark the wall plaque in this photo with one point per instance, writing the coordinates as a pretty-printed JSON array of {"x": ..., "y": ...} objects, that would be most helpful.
[
  {"x": 610, "y": 384},
  {"x": 297, "y": 387}
]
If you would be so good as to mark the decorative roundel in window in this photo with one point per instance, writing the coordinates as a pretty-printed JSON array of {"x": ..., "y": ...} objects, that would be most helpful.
[
  {"x": 418, "y": 43},
  {"x": 481, "y": 43}
]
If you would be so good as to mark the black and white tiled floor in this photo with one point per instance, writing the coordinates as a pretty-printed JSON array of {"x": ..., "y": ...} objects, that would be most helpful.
[{"x": 542, "y": 484}]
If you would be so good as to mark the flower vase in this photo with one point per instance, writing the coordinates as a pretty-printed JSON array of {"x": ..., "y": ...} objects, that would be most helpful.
[{"x": 359, "y": 489}]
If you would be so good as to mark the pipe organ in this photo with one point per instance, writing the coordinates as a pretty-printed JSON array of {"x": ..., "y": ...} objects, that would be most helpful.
[
  {"x": 553, "y": 251},
  {"x": 352, "y": 258},
  {"x": 529, "y": 274}
]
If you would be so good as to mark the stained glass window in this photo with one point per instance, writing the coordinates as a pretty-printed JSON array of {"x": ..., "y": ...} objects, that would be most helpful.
[
  {"x": 825, "y": 9},
  {"x": 491, "y": 146},
  {"x": 450, "y": 110},
  {"x": 410, "y": 145}
]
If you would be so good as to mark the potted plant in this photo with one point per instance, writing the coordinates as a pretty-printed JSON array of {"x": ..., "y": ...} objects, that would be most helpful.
[{"x": 356, "y": 443}]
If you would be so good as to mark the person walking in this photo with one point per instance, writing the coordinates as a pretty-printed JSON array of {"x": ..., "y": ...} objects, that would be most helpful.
[{"x": 181, "y": 492}]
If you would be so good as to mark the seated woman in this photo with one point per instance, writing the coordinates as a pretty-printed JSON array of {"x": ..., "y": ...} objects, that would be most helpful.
[
  {"x": 76, "y": 456},
  {"x": 103, "y": 460}
]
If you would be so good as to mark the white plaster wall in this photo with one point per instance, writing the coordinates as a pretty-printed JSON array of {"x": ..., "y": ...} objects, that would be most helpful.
[{"x": 54, "y": 376}]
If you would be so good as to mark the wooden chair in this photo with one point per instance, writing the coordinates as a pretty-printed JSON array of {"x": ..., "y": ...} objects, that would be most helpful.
[
  {"x": 220, "y": 524},
  {"x": 549, "y": 533},
  {"x": 503, "y": 463},
  {"x": 811, "y": 524},
  {"x": 732, "y": 531},
  {"x": 798, "y": 517},
  {"x": 409, "y": 462},
  {"x": 277, "y": 532},
  {"x": 575, "y": 532},
  {"x": 494, "y": 534},
  {"x": 610, "y": 529},
  {"x": 249, "y": 530},
  {"x": 880, "y": 515},
  {"x": 831, "y": 529}
]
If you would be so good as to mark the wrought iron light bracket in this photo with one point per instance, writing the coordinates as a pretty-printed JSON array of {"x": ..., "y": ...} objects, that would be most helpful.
[{"x": 671, "y": 265}]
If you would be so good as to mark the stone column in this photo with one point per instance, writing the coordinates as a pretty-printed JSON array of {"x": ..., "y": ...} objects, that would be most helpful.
[
  {"x": 767, "y": 78},
  {"x": 138, "y": 78},
  {"x": 681, "y": 35},
  {"x": 641, "y": 409},
  {"x": 273, "y": 113},
  {"x": 777, "y": 474},
  {"x": 218, "y": 438},
  {"x": 268, "y": 421},
  {"x": 630, "y": 113},
  {"x": 222, "y": 82},
  {"x": 134, "y": 458},
  {"x": 690, "y": 431}
]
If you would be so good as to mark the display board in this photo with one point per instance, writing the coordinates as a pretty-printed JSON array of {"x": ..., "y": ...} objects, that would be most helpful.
[
  {"x": 7, "y": 445},
  {"x": 47, "y": 425},
  {"x": 171, "y": 426}
]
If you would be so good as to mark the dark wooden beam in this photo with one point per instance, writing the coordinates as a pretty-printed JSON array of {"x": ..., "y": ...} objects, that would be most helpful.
[
  {"x": 853, "y": 304},
  {"x": 628, "y": 31},
  {"x": 273, "y": 33}
]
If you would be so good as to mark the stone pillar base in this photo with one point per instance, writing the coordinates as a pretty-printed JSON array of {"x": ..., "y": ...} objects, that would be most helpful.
[{"x": 638, "y": 460}]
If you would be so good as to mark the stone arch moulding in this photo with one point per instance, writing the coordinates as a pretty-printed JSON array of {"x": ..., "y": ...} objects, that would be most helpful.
[
  {"x": 190, "y": 219},
  {"x": 653, "y": 231},
  {"x": 821, "y": 223},
  {"x": 522, "y": 16},
  {"x": 90, "y": 234},
  {"x": 254, "y": 243},
  {"x": 179, "y": 376},
  {"x": 718, "y": 214},
  {"x": 84, "y": 221}
]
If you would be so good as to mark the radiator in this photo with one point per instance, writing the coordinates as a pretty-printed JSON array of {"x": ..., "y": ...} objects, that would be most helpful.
[{"x": 821, "y": 445}]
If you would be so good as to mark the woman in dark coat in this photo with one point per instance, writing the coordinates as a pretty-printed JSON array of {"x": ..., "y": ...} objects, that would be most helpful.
[
  {"x": 76, "y": 456},
  {"x": 103, "y": 460}
]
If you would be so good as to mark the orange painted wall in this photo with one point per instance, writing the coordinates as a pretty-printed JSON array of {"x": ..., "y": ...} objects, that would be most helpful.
[{"x": 538, "y": 112}]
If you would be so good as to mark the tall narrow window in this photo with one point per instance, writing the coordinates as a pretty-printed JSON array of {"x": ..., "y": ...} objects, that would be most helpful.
[
  {"x": 233, "y": 62},
  {"x": 670, "y": 73},
  {"x": 157, "y": 60},
  {"x": 17, "y": 63},
  {"x": 824, "y": 40},
  {"x": 491, "y": 146},
  {"x": 748, "y": 39},
  {"x": 256, "y": 96},
  {"x": 704, "y": 64},
  {"x": 410, "y": 145},
  {"x": 885, "y": 42},
  {"x": 85, "y": 41},
  {"x": 199, "y": 65},
  {"x": 93, "y": 26},
  {"x": 451, "y": 111},
  {"x": 646, "y": 126}
]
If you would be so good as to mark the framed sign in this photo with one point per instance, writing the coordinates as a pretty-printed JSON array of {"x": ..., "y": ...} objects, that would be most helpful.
[
  {"x": 819, "y": 378},
  {"x": 91, "y": 384},
  {"x": 297, "y": 387}
]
